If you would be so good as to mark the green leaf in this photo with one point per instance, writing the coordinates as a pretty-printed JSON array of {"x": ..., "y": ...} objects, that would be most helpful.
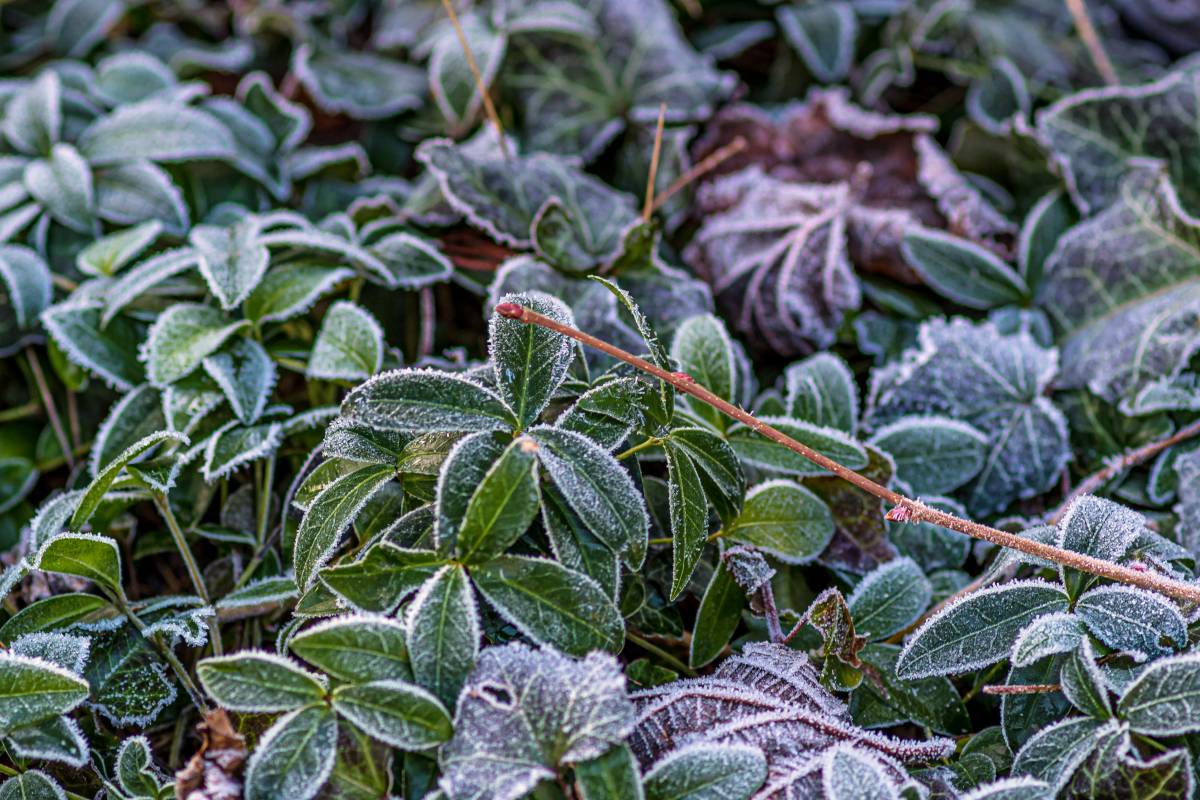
[
  {"x": 575, "y": 546},
  {"x": 181, "y": 338},
  {"x": 381, "y": 577},
  {"x": 136, "y": 772},
  {"x": 705, "y": 771},
  {"x": 108, "y": 351},
  {"x": 62, "y": 183},
  {"x": 51, "y": 613},
  {"x": 607, "y": 413},
  {"x": 259, "y": 682},
  {"x": 234, "y": 445},
  {"x": 31, "y": 785},
  {"x": 33, "y": 690},
  {"x": 59, "y": 740},
  {"x": 443, "y": 633},
  {"x": 596, "y": 488},
  {"x": 933, "y": 455},
  {"x": 1143, "y": 623},
  {"x": 717, "y": 618},
  {"x": 26, "y": 277},
  {"x": 141, "y": 192},
  {"x": 930, "y": 702},
  {"x": 1083, "y": 683},
  {"x": 158, "y": 131},
  {"x": 689, "y": 518},
  {"x": 357, "y": 83},
  {"x": 109, "y": 253},
  {"x": 425, "y": 401},
  {"x": 355, "y": 648},
  {"x": 396, "y": 713},
  {"x": 500, "y": 503},
  {"x": 290, "y": 290},
  {"x": 977, "y": 630},
  {"x": 1165, "y": 698},
  {"x": 830, "y": 615},
  {"x": 551, "y": 604},
  {"x": 889, "y": 598},
  {"x": 1044, "y": 224},
  {"x": 232, "y": 260},
  {"x": 246, "y": 375},
  {"x": 410, "y": 261},
  {"x": 330, "y": 515},
  {"x": 129, "y": 681},
  {"x": 961, "y": 270},
  {"x": 1047, "y": 635},
  {"x": 294, "y": 757},
  {"x": 784, "y": 519},
  {"x": 530, "y": 361},
  {"x": 821, "y": 391},
  {"x": 757, "y": 451},
  {"x": 33, "y": 117},
  {"x": 135, "y": 416},
  {"x": 823, "y": 36},
  {"x": 1056, "y": 751},
  {"x": 95, "y": 558},
  {"x": 718, "y": 466},
  {"x": 97, "y": 488},
  {"x": 349, "y": 345},
  {"x": 612, "y": 775},
  {"x": 702, "y": 349},
  {"x": 658, "y": 354}
]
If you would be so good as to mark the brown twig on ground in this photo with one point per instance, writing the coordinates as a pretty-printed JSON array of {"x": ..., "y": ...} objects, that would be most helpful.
[
  {"x": 648, "y": 205},
  {"x": 1091, "y": 41},
  {"x": 714, "y": 160},
  {"x": 913, "y": 510},
  {"x": 480, "y": 86},
  {"x": 1115, "y": 466},
  {"x": 1028, "y": 688}
]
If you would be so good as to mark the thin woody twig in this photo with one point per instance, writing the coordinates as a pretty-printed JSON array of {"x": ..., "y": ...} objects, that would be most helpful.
[
  {"x": 1028, "y": 688},
  {"x": 1130, "y": 458},
  {"x": 480, "y": 86},
  {"x": 909, "y": 510},
  {"x": 648, "y": 206},
  {"x": 1091, "y": 41},
  {"x": 711, "y": 162}
]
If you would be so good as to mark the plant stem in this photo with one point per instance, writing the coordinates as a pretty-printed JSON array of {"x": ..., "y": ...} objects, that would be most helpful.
[
  {"x": 663, "y": 654},
  {"x": 637, "y": 448},
  {"x": 30, "y": 409},
  {"x": 1030, "y": 688},
  {"x": 39, "y": 377},
  {"x": 1091, "y": 41},
  {"x": 1130, "y": 458},
  {"x": 264, "y": 502},
  {"x": 906, "y": 509},
  {"x": 189, "y": 561}
]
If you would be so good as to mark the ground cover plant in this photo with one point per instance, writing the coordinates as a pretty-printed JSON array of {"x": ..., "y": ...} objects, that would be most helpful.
[{"x": 589, "y": 399}]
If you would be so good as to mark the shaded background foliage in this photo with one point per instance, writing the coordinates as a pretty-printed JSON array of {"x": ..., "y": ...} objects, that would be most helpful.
[{"x": 287, "y": 511}]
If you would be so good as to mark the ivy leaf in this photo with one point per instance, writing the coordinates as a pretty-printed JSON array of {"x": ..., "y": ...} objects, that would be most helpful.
[
  {"x": 181, "y": 338},
  {"x": 450, "y": 76},
  {"x": 784, "y": 519},
  {"x": 530, "y": 361},
  {"x": 551, "y": 604},
  {"x": 933, "y": 455},
  {"x": 889, "y": 598},
  {"x": 1121, "y": 289},
  {"x": 394, "y": 712},
  {"x": 330, "y": 515},
  {"x": 232, "y": 259},
  {"x": 359, "y": 84},
  {"x": 977, "y": 630},
  {"x": 426, "y": 401},
  {"x": 290, "y": 290},
  {"x": 524, "y": 713},
  {"x": 357, "y": 648},
  {"x": 33, "y": 690},
  {"x": 1045, "y": 223},
  {"x": 349, "y": 345},
  {"x": 443, "y": 633},
  {"x": 95, "y": 558},
  {"x": 820, "y": 390},
  {"x": 259, "y": 682},
  {"x": 295, "y": 756},
  {"x": 973, "y": 374},
  {"x": 596, "y": 488},
  {"x": 962, "y": 271},
  {"x": 1132, "y": 620},
  {"x": 704, "y": 771}
]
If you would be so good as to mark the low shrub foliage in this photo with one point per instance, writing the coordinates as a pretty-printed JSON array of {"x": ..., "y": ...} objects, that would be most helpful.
[{"x": 599, "y": 399}]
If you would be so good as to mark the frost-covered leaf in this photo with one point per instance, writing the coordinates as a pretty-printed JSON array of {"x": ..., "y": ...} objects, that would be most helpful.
[
  {"x": 349, "y": 345},
  {"x": 158, "y": 131},
  {"x": 932, "y": 702},
  {"x": 359, "y": 84},
  {"x": 233, "y": 446},
  {"x": 181, "y": 338},
  {"x": 707, "y": 772},
  {"x": 259, "y": 682},
  {"x": 135, "y": 416},
  {"x": 232, "y": 260},
  {"x": 860, "y": 534},
  {"x": 62, "y": 183},
  {"x": 59, "y": 740},
  {"x": 688, "y": 511},
  {"x": 849, "y": 773},
  {"x": 504, "y": 197},
  {"x": 395, "y": 712},
  {"x": 31, "y": 785},
  {"x": 1100, "y": 528},
  {"x": 717, "y": 465},
  {"x": 784, "y": 519},
  {"x": 614, "y": 774},
  {"x": 259, "y": 596},
  {"x": 61, "y": 649},
  {"x": 105, "y": 478},
  {"x": 1122, "y": 289},
  {"x": 33, "y": 690},
  {"x": 356, "y": 648},
  {"x": 717, "y": 617},
  {"x": 606, "y": 414},
  {"x": 933, "y": 455},
  {"x": 94, "y": 558},
  {"x": 51, "y": 613},
  {"x": 451, "y": 80},
  {"x": 1054, "y": 753},
  {"x": 426, "y": 401},
  {"x": 524, "y": 713},
  {"x": 1084, "y": 684},
  {"x": 823, "y": 36},
  {"x": 821, "y": 390},
  {"x": 551, "y": 604},
  {"x": 33, "y": 117},
  {"x": 978, "y": 629},
  {"x": 1164, "y": 700},
  {"x": 140, "y": 192},
  {"x": 764, "y": 453},
  {"x": 1047, "y": 635},
  {"x": 889, "y": 598},
  {"x": 107, "y": 351},
  {"x": 290, "y": 290},
  {"x": 330, "y": 515},
  {"x": 443, "y": 633},
  {"x": 382, "y": 576},
  {"x": 1136, "y": 621},
  {"x": 1049, "y": 218},
  {"x": 128, "y": 680},
  {"x": 295, "y": 756},
  {"x": 27, "y": 283},
  {"x": 598, "y": 489},
  {"x": 974, "y": 374},
  {"x": 136, "y": 772},
  {"x": 702, "y": 348},
  {"x": 530, "y": 361},
  {"x": 962, "y": 271},
  {"x": 487, "y": 496},
  {"x": 246, "y": 374}
]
